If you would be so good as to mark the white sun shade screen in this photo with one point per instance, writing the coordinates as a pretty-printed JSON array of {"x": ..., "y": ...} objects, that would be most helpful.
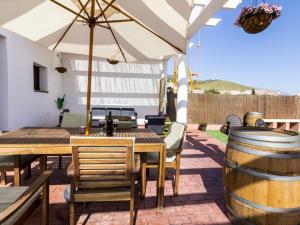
[
  {"x": 159, "y": 28},
  {"x": 122, "y": 85}
]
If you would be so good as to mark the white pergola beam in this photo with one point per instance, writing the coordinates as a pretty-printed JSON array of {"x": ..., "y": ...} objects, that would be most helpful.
[
  {"x": 231, "y": 4},
  {"x": 206, "y": 13},
  {"x": 213, "y": 22}
]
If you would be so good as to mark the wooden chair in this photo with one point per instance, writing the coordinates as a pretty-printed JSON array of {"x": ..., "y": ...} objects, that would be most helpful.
[
  {"x": 156, "y": 124},
  {"x": 70, "y": 120},
  {"x": 231, "y": 121},
  {"x": 103, "y": 171},
  {"x": 16, "y": 164},
  {"x": 18, "y": 203},
  {"x": 260, "y": 123},
  {"x": 174, "y": 141}
]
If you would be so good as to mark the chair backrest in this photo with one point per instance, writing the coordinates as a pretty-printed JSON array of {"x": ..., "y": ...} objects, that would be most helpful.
[
  {"x": 175, "y": 137},
  {"x": 102, "y": 162},
  {"x": 260, "y": 123},
  {"x": 127, "y": 112},
  {"x": 156, "y": 124},
  {"x": 114, "y": 111},
  {"x": 233, "y": 121},
  {"x": 156, "y": 121},
  {"x": 98, "y": 113},
  {"x": 72, "y": 120}
]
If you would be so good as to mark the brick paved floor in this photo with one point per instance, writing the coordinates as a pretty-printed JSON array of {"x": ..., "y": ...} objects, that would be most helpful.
[{"x": 200, "y": 199}]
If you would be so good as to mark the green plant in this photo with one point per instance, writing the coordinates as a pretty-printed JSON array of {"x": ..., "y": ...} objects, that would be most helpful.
[
  {"x": 202, "y": 126},
  {"x": 211, "y": 91},
  {"x": 253, "y": 91},
  {"x": 60, "y": 102}
]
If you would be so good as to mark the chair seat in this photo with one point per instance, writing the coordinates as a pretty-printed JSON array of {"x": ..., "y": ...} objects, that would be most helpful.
[
  {"x": 103, "y": 194},
  {"x": 9, "y": 195},
  {"x": 8, "y": 161},
  {"x": 153, "y": 157},
  {"x": 106, "y": 194}
]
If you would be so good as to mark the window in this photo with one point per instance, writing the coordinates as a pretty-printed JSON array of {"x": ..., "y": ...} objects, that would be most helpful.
[{"x": 40, "y": 81}]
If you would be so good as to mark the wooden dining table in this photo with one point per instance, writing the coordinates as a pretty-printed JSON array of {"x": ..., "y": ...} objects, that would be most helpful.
[{"x": 56, "y": 141}]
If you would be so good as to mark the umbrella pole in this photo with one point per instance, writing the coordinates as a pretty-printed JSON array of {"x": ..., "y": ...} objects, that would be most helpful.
[{"x": 92, "y": 24}]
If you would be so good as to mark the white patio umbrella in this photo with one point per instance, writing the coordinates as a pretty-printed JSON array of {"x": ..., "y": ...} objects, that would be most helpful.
[{"x": 119, "y": 30}]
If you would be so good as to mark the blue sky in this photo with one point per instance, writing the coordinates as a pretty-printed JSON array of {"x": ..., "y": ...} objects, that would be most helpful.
[{"x": 270, "y": 59}]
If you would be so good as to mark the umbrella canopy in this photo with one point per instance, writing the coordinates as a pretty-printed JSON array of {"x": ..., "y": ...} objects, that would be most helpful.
[
  {"x": 119, "y": 30},
  {"x": 125, "y": 30}
]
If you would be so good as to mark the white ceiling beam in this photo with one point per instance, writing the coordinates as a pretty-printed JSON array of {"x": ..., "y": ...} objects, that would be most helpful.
[
  {"x": 213, "y": 22},
  {"x": 206, "y": 13},
  {"x": 231, "y": 4}
]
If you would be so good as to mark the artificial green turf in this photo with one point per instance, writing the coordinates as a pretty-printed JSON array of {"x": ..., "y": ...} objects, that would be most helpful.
[{"x": 218, "y": 135}]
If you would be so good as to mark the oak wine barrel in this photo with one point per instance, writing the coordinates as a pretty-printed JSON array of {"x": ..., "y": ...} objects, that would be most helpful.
[
  {"x": 262, "y": 176},
  {"x": 251, "y": 118}
]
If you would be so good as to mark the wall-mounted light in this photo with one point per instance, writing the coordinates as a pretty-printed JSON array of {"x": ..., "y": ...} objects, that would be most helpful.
[
  {"x": 112, "y": 61},
  {"x": 60, "y": 68}
]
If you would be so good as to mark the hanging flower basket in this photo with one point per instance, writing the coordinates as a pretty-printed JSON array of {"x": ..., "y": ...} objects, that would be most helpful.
[{"x": 256, "y": 19}]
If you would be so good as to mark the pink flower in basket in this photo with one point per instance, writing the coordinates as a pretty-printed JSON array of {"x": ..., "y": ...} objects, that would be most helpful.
[{"x": 246, "y": 12}]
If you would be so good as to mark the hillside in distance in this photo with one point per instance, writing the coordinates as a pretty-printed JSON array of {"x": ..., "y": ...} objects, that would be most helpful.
[{"x": 219, "y": 85}]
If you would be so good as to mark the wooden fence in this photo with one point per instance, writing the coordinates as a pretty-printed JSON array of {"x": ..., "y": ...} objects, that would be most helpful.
[{"x": 213, "y": 109}]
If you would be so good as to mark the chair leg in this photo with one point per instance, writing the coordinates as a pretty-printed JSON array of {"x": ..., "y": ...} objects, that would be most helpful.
[
  {"x": 132, "y": 196},
  {"x": 177, "y": 174},
  {"x": 72, "y": 205},
  {"x": 43, "y": 163},
  {"x": 45, "y": 204},
  {"x": 144, "y": 177},
  {"x": 17, "y": 171},
  {"x": 27, "y": 172},
  {"x": 59, "y": 161},
  {"x": 72, "y": 212},
  {"x": 3, "y": 177}
]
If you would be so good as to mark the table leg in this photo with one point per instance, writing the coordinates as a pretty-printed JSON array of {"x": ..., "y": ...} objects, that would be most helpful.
[
  {"x": 43, "y": 163},
  {"x": 45, "y": 196},
  {"x": 161, "y": 179},
  {"x": 3, "y": 177},
  {"x": 17, "y": 171}
]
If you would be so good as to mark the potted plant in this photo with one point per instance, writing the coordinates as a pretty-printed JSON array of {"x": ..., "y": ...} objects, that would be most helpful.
[
  {"x": 202, "y": 126},
  {"x": 255, "y": 19},
  {"x": 60, "y": 102}
]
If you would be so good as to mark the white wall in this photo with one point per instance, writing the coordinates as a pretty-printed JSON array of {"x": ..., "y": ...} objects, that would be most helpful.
[
  {"x": 3, "y": 85},
  {"x": 133, "y": 85},
  {"x": 26, "y": 107},
  {"x": 124, "y": 85}
]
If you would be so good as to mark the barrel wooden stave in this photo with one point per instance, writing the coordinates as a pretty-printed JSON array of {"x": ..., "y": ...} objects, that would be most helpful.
[
  {"x": 275, "y": 166},
  {"x": 251, "y": 118},
  {"x": 271, "y": 193},
  {"x": 244, "y": 215},
  {"x": 262, "y": 188}
]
